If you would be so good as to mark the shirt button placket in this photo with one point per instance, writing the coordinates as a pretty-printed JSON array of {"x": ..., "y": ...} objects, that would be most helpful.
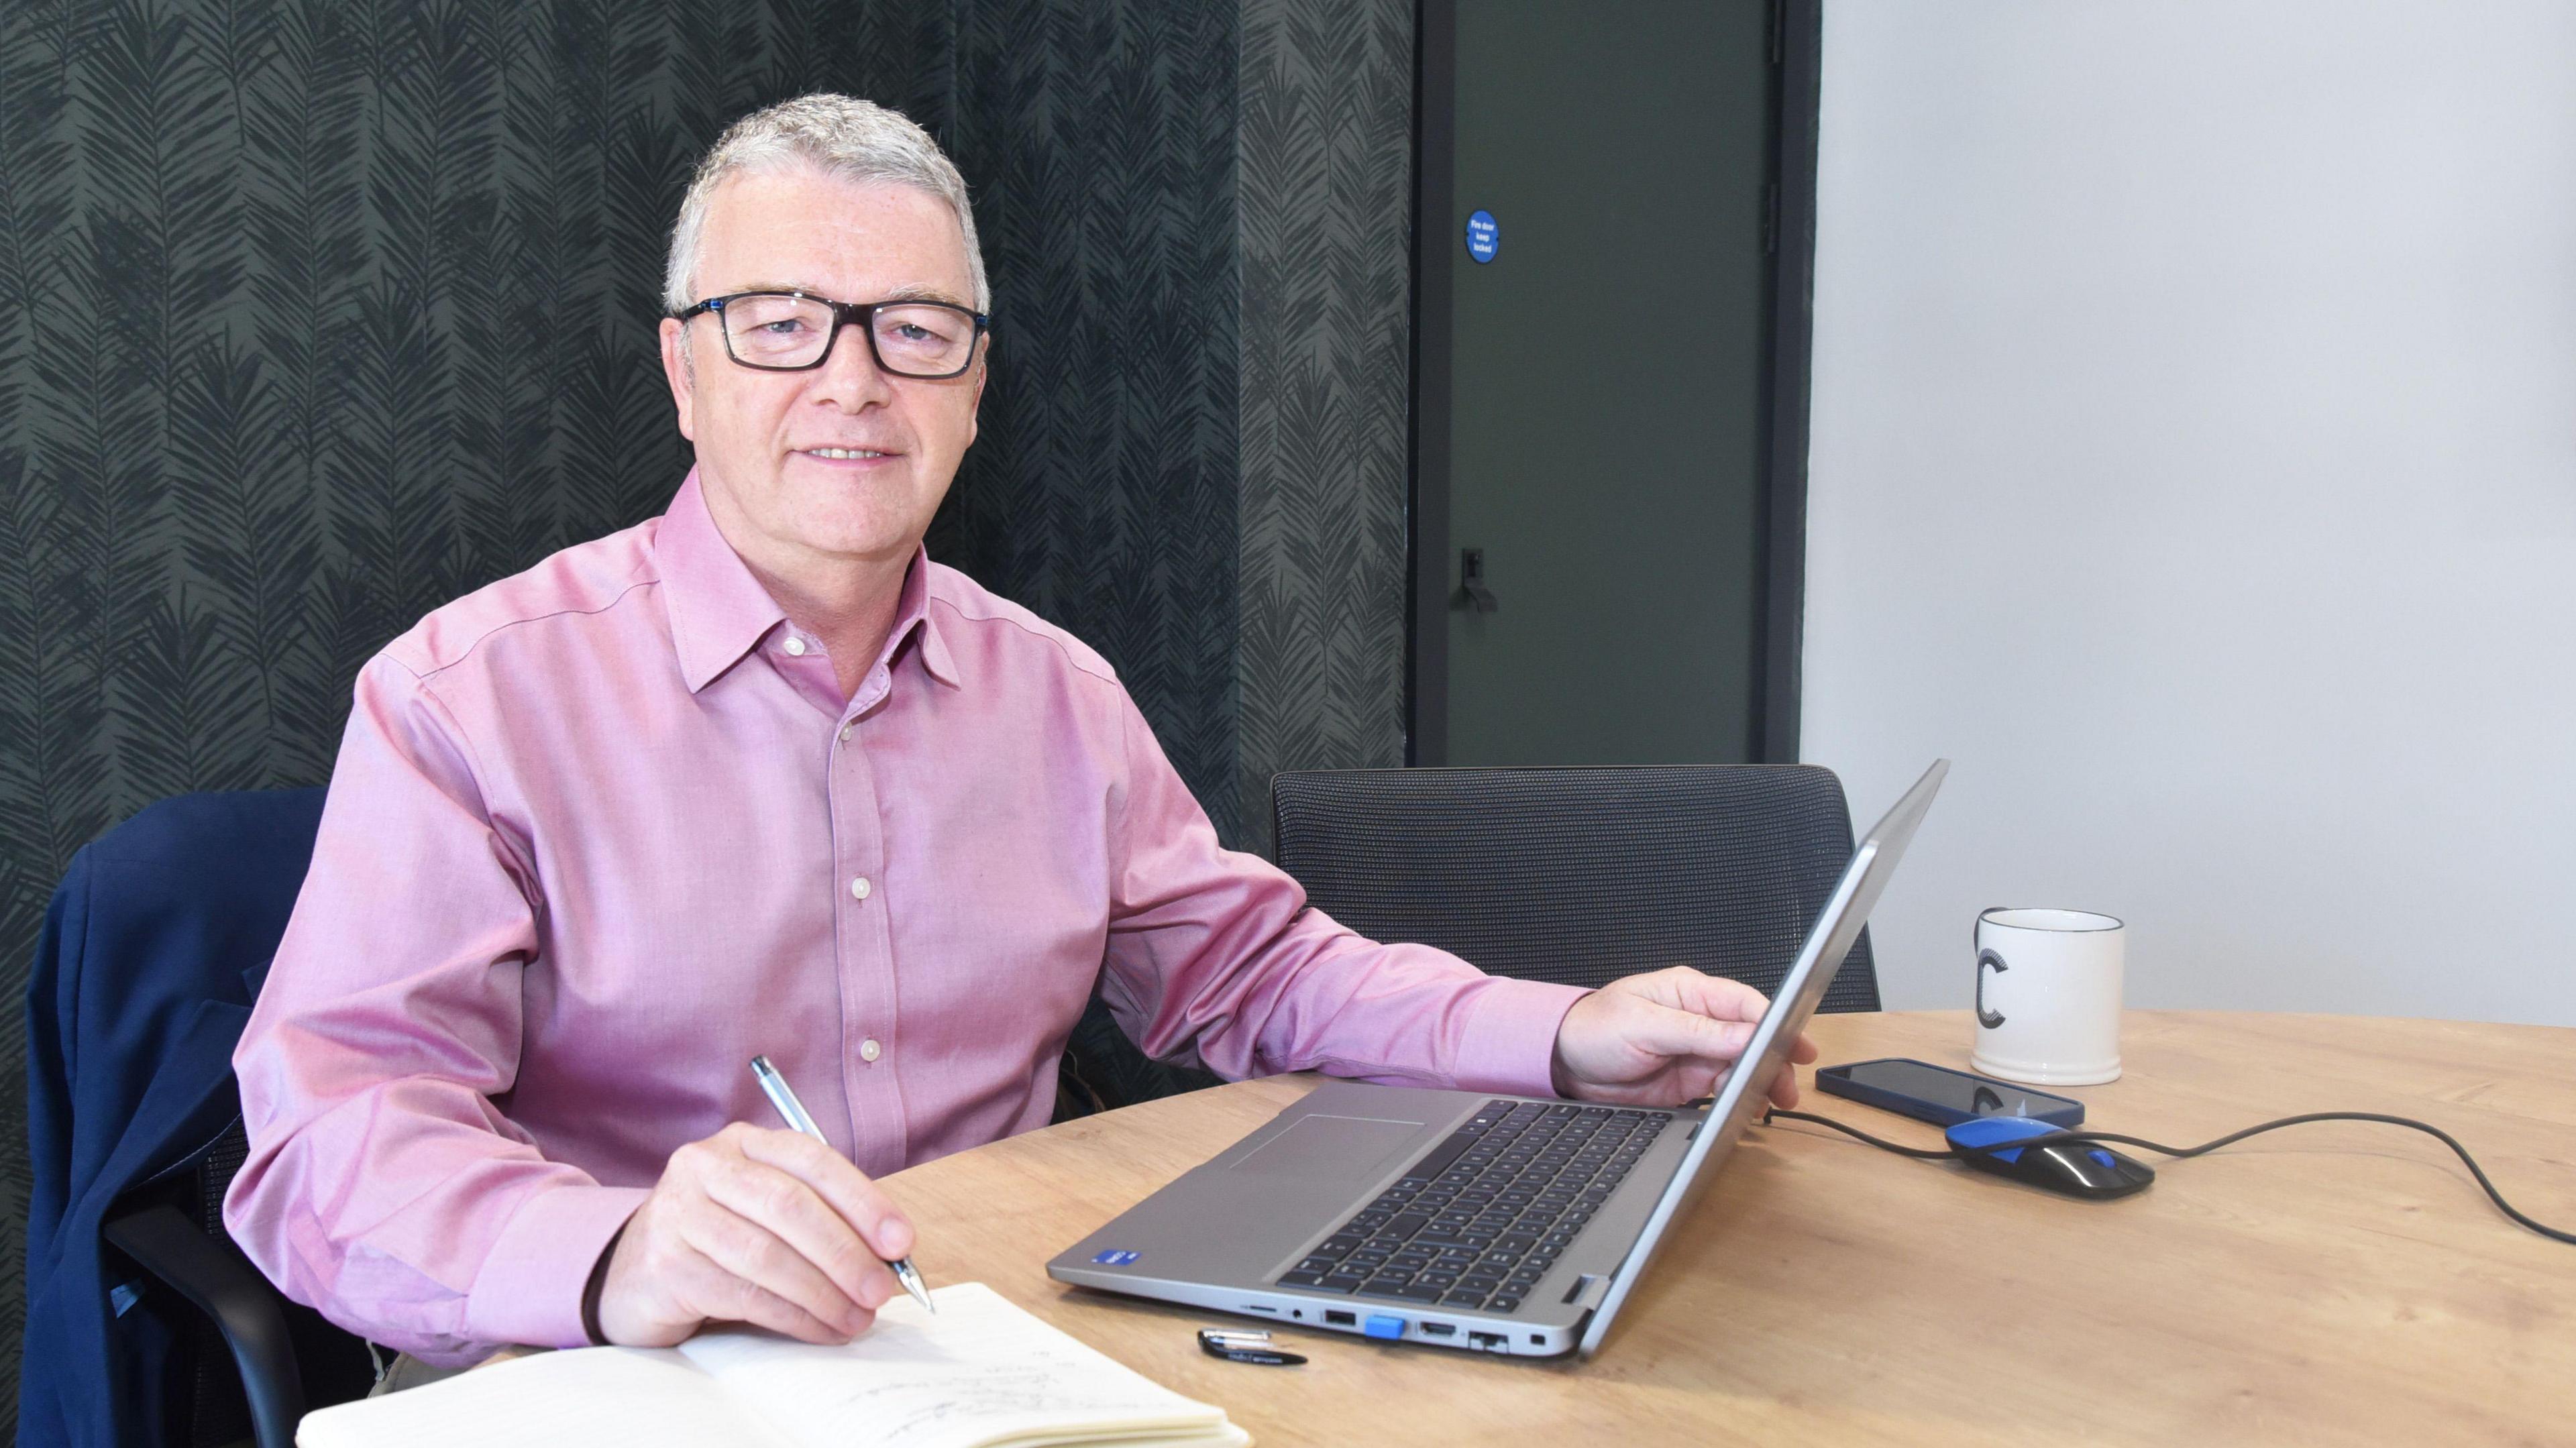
[{"x": 864, "y": 940}]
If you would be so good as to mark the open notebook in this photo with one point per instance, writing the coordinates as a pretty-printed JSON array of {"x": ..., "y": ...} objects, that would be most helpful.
[{"x": 980, "y": 1374}]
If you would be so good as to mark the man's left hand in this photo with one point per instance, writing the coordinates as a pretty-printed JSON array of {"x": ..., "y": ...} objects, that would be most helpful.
[{"x": 1663, "y": 1038}]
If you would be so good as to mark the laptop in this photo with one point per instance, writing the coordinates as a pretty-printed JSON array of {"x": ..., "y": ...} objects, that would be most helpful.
[{"x": 1498, "y": 1224}]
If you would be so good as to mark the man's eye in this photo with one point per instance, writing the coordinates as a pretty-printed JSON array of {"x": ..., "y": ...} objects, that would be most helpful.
[
  {"x": 913, "y": 332},
  {"x": 787, "y": 328}
]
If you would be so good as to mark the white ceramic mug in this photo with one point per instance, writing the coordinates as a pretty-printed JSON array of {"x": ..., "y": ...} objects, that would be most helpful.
[{"x": 2048, "y": 996}]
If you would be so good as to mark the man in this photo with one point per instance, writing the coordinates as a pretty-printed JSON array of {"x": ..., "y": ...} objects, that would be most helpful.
[{"x": 758, "y": 777}]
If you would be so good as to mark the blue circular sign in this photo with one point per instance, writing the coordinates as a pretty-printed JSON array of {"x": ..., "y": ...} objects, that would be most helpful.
[{"x": 1484, "y": 237}]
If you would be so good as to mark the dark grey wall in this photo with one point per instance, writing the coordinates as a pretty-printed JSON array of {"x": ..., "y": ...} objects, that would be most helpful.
[
  {"x": 314, "y": 315},
  {"x": 1324, "y": 177},
  {"x": 1098, "y": 139}
]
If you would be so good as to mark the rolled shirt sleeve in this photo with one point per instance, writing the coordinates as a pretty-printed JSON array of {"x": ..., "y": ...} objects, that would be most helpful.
[
  {"x": 1215, "y": 956},
  {"x": 384, "y": 1185}
]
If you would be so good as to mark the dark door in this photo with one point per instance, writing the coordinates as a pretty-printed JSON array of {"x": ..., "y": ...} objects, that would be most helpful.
[{"x": 1593, "y": 386}]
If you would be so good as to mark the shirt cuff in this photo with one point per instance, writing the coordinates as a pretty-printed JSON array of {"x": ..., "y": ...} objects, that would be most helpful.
[
  {"x": 529, "y": 1290},
  {"x": 1511, "y": 1045}
]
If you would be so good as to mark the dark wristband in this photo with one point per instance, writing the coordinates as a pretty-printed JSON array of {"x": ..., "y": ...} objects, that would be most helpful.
[{"x": 597, "y": 1284}]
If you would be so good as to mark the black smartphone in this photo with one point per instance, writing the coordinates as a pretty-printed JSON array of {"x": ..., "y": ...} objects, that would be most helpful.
[{"x": 1942, "y": 1096}]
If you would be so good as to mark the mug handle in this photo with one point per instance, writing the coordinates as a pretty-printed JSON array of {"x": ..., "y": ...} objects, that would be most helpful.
[{"x": 1986, "y": 1018}]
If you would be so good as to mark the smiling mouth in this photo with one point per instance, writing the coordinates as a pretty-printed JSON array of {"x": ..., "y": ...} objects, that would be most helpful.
[{"x": 844, "y": 454}]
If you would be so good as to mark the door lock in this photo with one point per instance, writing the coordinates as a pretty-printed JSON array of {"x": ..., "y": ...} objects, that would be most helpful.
[{"x": 1471, "y": 587}]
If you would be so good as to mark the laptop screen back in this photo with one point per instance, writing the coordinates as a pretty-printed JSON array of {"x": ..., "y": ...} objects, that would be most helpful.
[{"x": 1747, "y": 1088}]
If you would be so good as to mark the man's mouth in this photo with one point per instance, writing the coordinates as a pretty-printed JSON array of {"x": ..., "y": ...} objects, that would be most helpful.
[{"x": 845, "y": 454}]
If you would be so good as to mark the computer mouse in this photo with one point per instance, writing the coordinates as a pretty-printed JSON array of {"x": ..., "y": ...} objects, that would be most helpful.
[{"x": 2075, "y": 1168}]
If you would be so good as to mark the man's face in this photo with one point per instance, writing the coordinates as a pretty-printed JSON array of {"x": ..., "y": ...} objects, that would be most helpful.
[{"x": 786, "y": 508}]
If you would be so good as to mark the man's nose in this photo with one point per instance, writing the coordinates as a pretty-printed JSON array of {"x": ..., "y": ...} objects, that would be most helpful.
[{"x": 850, "y": 375}]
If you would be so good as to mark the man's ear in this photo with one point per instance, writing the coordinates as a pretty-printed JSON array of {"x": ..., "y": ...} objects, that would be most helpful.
[
  {"x": 983, "y": 373},
  {"x": 682, "y": 373}
]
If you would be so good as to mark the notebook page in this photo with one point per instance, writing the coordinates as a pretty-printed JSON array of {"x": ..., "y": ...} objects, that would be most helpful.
[
  {"x": 635, "y": 1397},
  {"x": 981, "y": 1372}
]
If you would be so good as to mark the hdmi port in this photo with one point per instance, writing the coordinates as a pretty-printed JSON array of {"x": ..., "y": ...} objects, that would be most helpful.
[{"x": 1439, "y": 1329}]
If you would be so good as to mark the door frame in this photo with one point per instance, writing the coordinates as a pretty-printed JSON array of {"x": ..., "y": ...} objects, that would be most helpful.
[{"x": 1796, "y": 46}]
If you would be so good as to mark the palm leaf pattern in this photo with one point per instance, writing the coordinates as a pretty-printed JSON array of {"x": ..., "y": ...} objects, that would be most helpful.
[{"x": 316, "y": 314}]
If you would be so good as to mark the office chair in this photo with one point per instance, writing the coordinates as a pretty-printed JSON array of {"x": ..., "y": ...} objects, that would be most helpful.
[
  {"x": 1581, "y": 876},
  {"x": 145, "y": 1323}
]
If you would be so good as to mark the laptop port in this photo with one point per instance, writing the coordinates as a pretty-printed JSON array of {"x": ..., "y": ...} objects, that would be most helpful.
[
  {"x": 1439, "y": 1329},
  {"x": 1489, "y": 1341},
  {"x": 1340, "y": 1319}
]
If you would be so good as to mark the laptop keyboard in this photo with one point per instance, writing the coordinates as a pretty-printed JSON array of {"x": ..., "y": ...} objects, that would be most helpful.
[{"x": 1479, "y": 1220}]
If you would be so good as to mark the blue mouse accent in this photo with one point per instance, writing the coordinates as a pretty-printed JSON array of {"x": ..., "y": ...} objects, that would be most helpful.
[
  {"x": 2075, "y": 1169},
  {"x": 1380, "y": 1324}
]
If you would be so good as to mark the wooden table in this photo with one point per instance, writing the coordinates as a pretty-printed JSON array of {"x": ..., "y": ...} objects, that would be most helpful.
[{"x": 2331, "y": 1284}]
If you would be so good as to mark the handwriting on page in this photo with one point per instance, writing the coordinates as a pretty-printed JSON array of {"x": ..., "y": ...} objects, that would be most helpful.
[{"x": 981, "y": 1371}]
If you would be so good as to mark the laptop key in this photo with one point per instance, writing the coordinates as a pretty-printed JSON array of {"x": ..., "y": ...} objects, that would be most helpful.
[
  {"x": 1469, "y": 1300},
  {"x": 1318, "y": 1264},
  {"x": 1417, "y": 1293},
  {"x": 1406, "y": 1225},
  {"x": 1301, "y": 1279},
  {"x": 1341, "y": 1282},
  {"x": 1454, "y": 1239},
  {"x": 1503, "y": 1302}
]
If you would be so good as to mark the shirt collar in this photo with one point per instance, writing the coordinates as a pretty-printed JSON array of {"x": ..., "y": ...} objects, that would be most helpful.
[{"x": 719, "y": 611}]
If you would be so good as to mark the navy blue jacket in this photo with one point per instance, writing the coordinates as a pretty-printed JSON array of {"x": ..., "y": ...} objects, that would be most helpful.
[{"x": 154, "y": 948}]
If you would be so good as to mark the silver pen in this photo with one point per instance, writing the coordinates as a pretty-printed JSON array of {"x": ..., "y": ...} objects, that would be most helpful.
[{"x": 782, "y": 1096}]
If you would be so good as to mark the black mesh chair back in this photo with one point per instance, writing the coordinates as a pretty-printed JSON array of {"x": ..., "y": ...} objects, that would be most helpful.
[{"x": 1581, "y": 875}]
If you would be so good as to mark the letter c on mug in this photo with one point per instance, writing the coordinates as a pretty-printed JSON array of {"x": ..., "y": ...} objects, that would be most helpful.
[{"x": 1986, "y": 1018}]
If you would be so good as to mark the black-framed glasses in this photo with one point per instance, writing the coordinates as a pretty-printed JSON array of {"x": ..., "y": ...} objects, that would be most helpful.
[{"x": 794, "y": 332}]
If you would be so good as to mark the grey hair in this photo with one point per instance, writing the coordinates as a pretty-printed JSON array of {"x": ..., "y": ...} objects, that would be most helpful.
[{"x": 852, "y": 139}]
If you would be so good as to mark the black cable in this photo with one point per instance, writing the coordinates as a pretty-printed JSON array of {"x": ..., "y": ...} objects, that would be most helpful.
[{"x": 1961, "y": 1153}]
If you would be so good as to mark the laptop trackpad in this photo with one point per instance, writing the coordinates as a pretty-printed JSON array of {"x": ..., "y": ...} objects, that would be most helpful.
[{"x": 1341, "y": 1146}]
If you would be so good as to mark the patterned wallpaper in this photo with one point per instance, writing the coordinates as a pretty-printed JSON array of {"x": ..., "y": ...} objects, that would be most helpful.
[
  {"x": 1325, "y": 179},
  {"x": 314, "y": 315},
  {"x": 1098, "y": 138}
]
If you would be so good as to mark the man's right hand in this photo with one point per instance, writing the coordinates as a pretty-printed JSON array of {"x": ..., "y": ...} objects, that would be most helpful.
[{"x": 771, "y": 1228}]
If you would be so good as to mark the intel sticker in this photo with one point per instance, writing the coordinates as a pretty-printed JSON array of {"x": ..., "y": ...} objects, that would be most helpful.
[
  {"x": 1115, "y": 1257},
  {"x": 1484, "y": 237}
]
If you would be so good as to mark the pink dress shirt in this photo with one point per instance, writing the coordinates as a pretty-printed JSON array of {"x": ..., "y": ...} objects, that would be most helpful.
[{"x": 601, "y": 832}]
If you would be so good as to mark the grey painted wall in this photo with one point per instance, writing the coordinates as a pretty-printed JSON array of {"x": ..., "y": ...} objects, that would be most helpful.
[{"x": 2193, "y": 463}]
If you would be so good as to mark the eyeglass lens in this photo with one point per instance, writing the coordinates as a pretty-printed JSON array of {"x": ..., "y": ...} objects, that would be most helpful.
[{"x": 920, "y": 340}]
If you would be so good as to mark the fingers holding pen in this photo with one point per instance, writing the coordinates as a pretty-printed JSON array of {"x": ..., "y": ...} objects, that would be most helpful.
[
  {"x": 731, "y": 1235},
  {"x": 835, "y": 1217}
]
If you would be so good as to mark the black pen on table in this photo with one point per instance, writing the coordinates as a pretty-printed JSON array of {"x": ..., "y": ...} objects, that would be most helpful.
[{"x": 782, "y": 1096}]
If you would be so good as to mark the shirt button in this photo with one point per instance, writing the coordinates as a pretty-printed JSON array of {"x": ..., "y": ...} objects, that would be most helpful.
[
  {"x": 845, "y": 732},
  {"x": 795, "y": 645},
  {"x": 869, "y": 1051},
  {"x": 859, "y": 890}
]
